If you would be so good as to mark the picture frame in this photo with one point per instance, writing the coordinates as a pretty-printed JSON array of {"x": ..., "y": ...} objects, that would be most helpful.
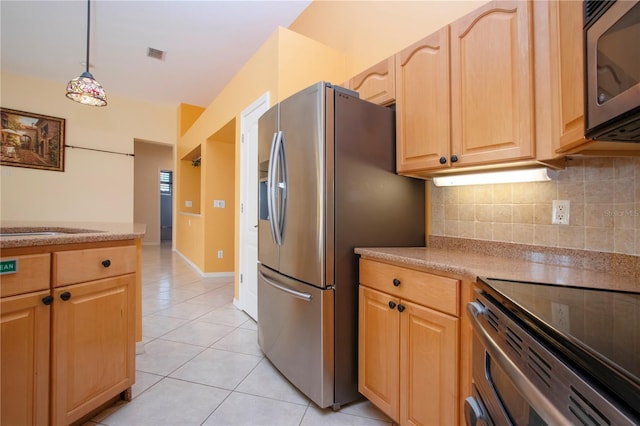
[{"x": 32, "y": 140}]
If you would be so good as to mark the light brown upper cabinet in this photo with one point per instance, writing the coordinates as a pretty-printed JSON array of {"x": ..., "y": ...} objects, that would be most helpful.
[
  {"x": 464, "y": 95},
  {"x": 492, "y": 105},
  {"x": 559, "y": 77},
  {"x": 559, "y": 84},
  {"x": 376, "y": 84},
  {"x": 422, "y": 104}
]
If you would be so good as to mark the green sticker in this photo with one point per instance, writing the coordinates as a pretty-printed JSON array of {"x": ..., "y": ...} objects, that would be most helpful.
[{"x": 8, "y": 266}]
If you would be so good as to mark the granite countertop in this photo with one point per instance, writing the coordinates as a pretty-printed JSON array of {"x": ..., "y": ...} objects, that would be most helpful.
[
  {"x": 66, "y": 232},
  {"x": 473, "y": 265}
]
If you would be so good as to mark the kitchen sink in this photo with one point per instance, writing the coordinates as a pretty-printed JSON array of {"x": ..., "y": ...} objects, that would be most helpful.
[
  {"x": 34, "y": 233},
  {"x": 18, "y": 232}
]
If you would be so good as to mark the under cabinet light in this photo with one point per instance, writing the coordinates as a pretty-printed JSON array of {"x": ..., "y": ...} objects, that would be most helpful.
[{"x": 506, "y": 176}]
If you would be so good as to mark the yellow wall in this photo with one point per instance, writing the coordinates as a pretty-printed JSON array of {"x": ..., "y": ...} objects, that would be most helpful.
[
  {"x": 286, "y": 63},
  {"x": 189, "y": 187},
  {"x": 187, "y": 115},
  {"x": 220, "y": 223},
  {"x": 370, "y": 31},
  {"x": 95, "y": 186},
  {"x": 190, "y": 242}
]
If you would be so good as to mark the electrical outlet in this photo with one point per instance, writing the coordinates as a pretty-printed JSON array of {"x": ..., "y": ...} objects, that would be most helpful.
[
  {"x": 218, "y": 204},
  {"x": 220, "y": 254},
  {"x": 188, "y": 203},
  {"x": 560, "y": 212},
  {"x": 560, "y": 316}
]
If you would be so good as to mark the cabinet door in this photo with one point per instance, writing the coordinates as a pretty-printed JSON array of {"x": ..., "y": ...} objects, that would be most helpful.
[
  {"x": 378, "y": 350},
  {"x": 492, "y": 85},
  {"x": 568, "y": 61},
  {"x": 92, "y": 345},
  {"x": 376, "y": 84},
  {"x": 422, "y": 104},
  {"x": 25, "y": 359},
  {"x": 428, "y": 366}
]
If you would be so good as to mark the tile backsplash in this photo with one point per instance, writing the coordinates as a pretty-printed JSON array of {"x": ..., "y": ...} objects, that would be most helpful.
[{"x": 604, "y": 196}]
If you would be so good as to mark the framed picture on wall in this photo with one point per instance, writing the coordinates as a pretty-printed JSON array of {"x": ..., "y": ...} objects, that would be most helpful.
[{"x": 32, "y": 140}]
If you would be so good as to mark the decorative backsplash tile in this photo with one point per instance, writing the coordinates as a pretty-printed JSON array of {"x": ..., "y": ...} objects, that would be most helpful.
[{"x": 604, "y": 195}]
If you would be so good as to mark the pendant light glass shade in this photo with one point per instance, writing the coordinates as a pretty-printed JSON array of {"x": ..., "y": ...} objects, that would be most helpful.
[{"x": 85, "y": 89}]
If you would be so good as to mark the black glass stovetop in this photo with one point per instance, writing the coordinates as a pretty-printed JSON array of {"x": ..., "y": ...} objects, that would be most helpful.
[{"x": 596, "y": 331}]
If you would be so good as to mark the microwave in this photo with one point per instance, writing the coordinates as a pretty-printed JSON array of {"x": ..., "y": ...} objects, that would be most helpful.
[{"x": 612, "y": 70}]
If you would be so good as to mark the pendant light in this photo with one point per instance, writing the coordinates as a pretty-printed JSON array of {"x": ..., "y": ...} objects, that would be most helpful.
[{"x": 85, "y": 89}]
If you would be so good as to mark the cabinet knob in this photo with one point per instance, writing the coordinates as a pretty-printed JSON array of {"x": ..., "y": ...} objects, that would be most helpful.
[
  {"x": 47, "y": 300},
  {"x": 454, "y": 158},
  {"x": 400, "y": 307},
  {"x": 396, "y": 282},
  {"x": 65, "y": 296},
  {"x": 106, "y": 263},
  {"x": 443, "y": 160},
  {"x": 392, "y": 304}
]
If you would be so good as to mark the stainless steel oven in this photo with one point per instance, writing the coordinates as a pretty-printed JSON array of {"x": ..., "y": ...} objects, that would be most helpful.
[
  {"x": 522, "y": 377},
  {"x": 612, "y": 67}
]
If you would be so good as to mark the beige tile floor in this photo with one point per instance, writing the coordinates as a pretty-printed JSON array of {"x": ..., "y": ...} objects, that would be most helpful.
[{"x": 201, "y": 363}]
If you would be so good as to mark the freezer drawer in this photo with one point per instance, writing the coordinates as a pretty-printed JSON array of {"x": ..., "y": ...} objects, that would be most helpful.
[{"x": 295, "y": 331}]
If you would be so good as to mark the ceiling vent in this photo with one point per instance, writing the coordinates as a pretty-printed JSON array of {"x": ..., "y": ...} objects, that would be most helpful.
[{"x": 155, "y": 53}]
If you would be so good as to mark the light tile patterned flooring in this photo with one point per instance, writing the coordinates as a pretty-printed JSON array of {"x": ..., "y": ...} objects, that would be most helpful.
[{"x": 202, "y": 365}]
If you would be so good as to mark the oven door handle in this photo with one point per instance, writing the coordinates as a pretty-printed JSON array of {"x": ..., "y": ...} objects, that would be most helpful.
[{"x": 529, "y": 391}]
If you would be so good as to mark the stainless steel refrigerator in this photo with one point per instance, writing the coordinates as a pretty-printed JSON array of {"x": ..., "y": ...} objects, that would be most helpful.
[{"x": 327, "y": 184}]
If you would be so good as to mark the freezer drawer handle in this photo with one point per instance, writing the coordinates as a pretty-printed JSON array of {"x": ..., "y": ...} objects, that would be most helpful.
[{"x": 300, "y": 295}]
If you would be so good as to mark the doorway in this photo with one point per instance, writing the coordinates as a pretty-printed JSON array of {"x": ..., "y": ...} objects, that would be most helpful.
[
  {"x": 166, "y": 205},
  {"x": 248, "y": 262},
  {"x": 150, "y": 160}
]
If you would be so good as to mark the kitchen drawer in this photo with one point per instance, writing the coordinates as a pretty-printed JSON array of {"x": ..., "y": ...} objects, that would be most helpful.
[
  {"x": 434, "y": 291},
  {"x": 76, "y": 266},
  {"x": 32, "y": 274}
]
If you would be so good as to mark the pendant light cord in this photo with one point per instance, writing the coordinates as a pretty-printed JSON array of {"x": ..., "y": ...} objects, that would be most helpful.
[{"x": 88, "y": 30}]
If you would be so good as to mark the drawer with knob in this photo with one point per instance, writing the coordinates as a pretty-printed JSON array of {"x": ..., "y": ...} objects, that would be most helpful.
[
  {"x": 76, "y": 266},
  {"x": 434, "y": 291},
  {"x": 24, "y": 274}
]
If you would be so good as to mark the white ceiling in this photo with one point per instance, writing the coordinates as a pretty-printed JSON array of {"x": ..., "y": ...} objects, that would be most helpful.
[{"x": 206, "y": 43}]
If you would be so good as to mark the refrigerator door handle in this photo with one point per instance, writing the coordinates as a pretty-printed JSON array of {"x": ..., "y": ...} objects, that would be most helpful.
[
  {"x": 278, "y": 183},
  {"x": 300, "y": 295},
  {"x": 283, "y": 187},
  {"x": 271, "y": 185}
]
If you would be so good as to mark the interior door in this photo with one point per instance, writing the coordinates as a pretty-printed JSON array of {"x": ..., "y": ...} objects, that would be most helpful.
[
  {"x": 249, "y": 205},
  {"x": 268, "y": 250}
]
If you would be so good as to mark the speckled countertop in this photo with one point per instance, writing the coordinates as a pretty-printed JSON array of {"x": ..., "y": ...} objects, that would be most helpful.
[
  {"x": 472, "y": 265},
  {"x": 66, "y": 233}
]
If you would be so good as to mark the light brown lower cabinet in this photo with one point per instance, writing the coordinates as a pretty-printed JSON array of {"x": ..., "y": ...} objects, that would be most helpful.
[
  {"x": 409, "y": 344},
  {"x": 25, "y": 359},
  {"x": 92, "y": 347},
  {"x": 68, "y": 331}
]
